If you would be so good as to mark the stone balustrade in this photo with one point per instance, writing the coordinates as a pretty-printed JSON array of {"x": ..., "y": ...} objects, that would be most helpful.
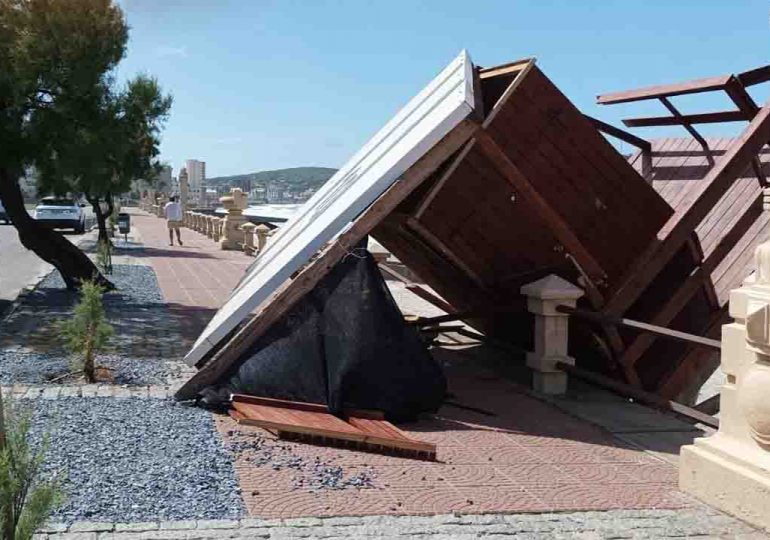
[
  {"x": 263, "y": 232},
  {"x": 248, "y": 238},
  {"x": 730, "y": 470}
]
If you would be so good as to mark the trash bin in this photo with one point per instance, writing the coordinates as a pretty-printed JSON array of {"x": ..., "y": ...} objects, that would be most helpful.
[{"x": 124, "y": 224}]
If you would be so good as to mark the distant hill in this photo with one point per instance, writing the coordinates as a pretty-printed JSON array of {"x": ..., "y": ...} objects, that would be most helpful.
[{"x": 296, "y": 178}]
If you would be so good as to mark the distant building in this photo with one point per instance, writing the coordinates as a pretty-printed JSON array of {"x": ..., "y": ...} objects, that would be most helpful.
[
  {"x": 196, "y": 177},
  {"x": 273, "y": 193}
]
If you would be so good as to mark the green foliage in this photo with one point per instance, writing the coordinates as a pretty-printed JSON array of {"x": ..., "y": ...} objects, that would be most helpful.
[
  {"x": 57, "y": 58},
  {"x": 104, "y": 255},
  {"x": 299, "y": 178},
  {"x": 26, "y": 501},
  {"x": 87, "y": 332}
]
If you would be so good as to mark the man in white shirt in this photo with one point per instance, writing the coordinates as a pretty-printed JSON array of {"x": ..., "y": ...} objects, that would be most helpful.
[{"x": 173, "y": 212}]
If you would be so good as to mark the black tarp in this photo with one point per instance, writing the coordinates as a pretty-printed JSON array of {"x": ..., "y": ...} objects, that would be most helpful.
[{"x": 345, "y": 344}]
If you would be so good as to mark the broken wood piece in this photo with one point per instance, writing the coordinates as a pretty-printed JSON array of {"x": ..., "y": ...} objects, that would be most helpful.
[{"x": 363, "y": 430}]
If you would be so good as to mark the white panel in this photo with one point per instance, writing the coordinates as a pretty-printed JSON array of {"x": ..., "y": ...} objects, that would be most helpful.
[{"x": 415, "y": 129}]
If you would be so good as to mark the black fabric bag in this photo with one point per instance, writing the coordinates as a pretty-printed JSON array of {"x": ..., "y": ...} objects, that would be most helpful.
[{"x": 345, "y": 344}]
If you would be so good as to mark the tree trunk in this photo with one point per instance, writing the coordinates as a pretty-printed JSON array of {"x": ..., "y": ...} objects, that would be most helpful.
[
  {"x": 101, "y": 219},
  {"x": 73, "y": 265},
  {"x": 88, "y": 358}
]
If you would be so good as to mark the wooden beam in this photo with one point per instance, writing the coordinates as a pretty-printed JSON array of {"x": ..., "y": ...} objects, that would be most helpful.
[
  {"x": 756, "y": 165},
  {"x": 677, "y": 381},
  {"x": 741, "y": 98},
  {"x": 702, "y": 118},
  {"x": 640, "y": 395},
  {"x": 666, "y": 90},
  {"x": 676, "y": 302},
  {"x": 291, "y": 291},
  {"x": 680, "y": 226},
  {"x": 558, "y": 225},
  {"x": 691, "y": 130},
  {"x": 710, "y": 405},
  {"x": 660, "y": 331},
  {"x": 755, "y": 76},
  {"x": 621, "y": 134}
]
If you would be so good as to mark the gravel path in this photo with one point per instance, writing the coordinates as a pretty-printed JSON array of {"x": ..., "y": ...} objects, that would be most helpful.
[
  {"x": 139, "y": 317},
  {"x": 133, "y": 460}
]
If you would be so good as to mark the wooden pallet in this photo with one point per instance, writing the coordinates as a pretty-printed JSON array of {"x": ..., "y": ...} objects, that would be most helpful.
[{"x": 309, "y": 422}]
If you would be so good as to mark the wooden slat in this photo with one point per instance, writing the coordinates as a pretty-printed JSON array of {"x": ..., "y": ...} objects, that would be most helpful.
[
  {"x": 293, "y": 290},
  {"x": 666, "y": 90},
  {"x": 714, "y": 185},
  {"x": 302, "y": 406},
  {"x": 309, "y": 419},
  {"x": 701, "y": 118}
]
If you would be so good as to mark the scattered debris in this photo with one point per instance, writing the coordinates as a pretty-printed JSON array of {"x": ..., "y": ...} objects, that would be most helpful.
[{"x": 313, "y": 474}]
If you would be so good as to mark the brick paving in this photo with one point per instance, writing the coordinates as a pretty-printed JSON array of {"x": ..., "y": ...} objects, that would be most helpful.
[
  {"x": 525, "y": 456},
  {"x": 528, "y": 457},
  {"x": 195, "y": 278}
]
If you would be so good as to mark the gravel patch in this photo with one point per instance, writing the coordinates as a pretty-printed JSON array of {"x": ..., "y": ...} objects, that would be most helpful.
[
  {"x": 139, "y": 350},
  {"x": 310, "y": 474},
  {"x": 136, "y": 286},
  {"x": 135, "y": 460},
  {"x": 25, "y": 367}
]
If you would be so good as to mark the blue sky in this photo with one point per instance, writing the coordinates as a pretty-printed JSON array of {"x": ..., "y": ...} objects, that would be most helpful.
[{"x": 263, "y": 84}]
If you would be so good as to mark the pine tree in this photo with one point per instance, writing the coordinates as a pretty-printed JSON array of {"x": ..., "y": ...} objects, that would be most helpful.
[
  {"x": 87, "y": 331},
  {"x": 25, "y": 500}
]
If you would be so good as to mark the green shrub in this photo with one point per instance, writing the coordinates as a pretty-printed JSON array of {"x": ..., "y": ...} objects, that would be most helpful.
[
  {"x": 87, "y": 331},
  {"x": 26, "y": 501}
]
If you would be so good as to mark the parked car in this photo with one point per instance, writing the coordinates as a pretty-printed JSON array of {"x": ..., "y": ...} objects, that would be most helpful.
[
  {"x": 59, "y": 213},
  {"x": 3, "y": 215}
]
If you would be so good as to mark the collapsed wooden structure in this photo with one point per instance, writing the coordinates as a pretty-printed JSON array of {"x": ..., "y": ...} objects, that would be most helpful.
[{"x": 527, "y": 185}]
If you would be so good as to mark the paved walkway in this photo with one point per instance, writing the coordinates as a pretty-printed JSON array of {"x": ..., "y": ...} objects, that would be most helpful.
[
  {"x": 504, "y": 451},
  {"x": 196, "y": 278}
]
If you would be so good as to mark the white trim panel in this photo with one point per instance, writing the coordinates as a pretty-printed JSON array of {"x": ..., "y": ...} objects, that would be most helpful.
[{"x": 408, "y": 136}]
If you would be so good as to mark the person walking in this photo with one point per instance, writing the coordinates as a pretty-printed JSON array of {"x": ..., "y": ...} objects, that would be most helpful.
[{"x": 173, "y": 212}]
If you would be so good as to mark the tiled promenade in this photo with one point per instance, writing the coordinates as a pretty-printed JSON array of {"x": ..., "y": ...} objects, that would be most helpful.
[{"x": 523, "y": 456}]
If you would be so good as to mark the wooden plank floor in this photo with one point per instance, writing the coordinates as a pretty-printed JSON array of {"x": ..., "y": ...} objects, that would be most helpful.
[{"x": 678, "y": 166}]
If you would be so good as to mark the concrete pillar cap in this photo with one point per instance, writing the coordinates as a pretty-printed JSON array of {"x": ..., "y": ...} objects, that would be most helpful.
[{"x": 552, "y": 287}]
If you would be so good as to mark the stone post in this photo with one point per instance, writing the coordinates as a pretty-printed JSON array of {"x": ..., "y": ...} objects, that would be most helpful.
[
  {"x": 551, "y": 331},
  {"x": 262, "y": 231},
  {"x": 184, "y": 191},
  {"x": 210, "y": 226},
  {"x": 248, "y": 237},
  {"x": 730, "y": 470},
  {"x": 198, "y": 224},
  {"x": 235, "y": 204}
]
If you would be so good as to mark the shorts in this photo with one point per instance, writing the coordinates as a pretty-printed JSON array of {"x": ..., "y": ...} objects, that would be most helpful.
[{"x": 174, "y": 224}]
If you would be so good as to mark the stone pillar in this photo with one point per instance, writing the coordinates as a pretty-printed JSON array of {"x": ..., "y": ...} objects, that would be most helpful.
[
  {"x": 210, "y": 226},
  {"x": 730, "y": 470},
  {"x": 551, "y": 331},
  {"x": 235, "y": 204},
  {"x": 248, "y": 237},
  {"x": 184, "y": 192},
  {"x": 262, "y": 231}
]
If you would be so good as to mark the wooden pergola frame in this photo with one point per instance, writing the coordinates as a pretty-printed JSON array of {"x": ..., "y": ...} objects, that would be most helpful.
[{"x": 724, "y": 171}]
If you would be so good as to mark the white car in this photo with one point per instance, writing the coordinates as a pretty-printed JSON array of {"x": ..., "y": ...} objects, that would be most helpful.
[{"x": 59, "y": 213}]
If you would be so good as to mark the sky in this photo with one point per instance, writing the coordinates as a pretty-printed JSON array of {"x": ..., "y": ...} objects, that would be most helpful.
[{"x": 268, "y": 84}]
